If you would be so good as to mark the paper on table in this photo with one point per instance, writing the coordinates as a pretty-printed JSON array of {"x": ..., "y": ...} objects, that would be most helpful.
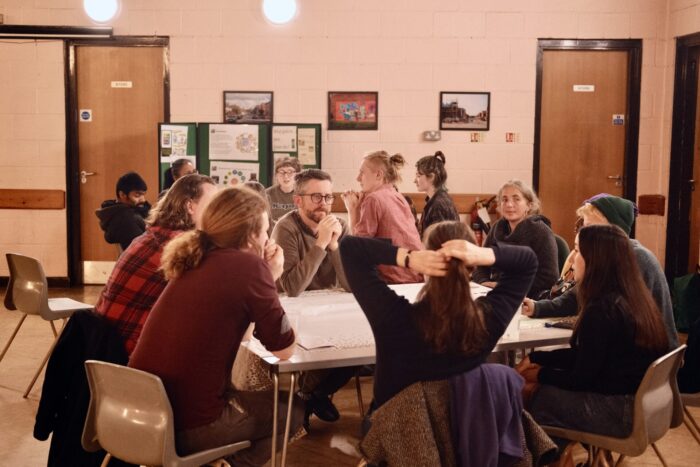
[
  {"x": 63, "y": 304},
  {"x": 313, "y": 342}
]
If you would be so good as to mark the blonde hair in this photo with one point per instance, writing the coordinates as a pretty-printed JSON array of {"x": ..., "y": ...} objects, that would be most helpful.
[
  {"x": 588, "y": 210},
  {"x": 527, "y": 192},
  {"x": 171, "y": 210},
  {"x": 390, "y": 165},
  {"x": 232, "y": 219}
]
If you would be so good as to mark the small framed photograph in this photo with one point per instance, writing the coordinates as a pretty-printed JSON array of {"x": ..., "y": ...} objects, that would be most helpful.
[
  {"x": 248, "y": 107},
  {"x": 353, "y": 110},
  {"x": 465, "y": 110}
]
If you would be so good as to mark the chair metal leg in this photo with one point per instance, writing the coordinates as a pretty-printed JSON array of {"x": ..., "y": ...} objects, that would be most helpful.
[
  {"x": 690, "y": 420},
  {"x": 53, "y": 328},
  {"x": 288, "y": 424},
  {"x": 275, "y": 409},
  {"x": 619, "y": 460},
  {"x": 12, "y": 337},
  {"x": 360, "y": 403},
  {"x": 658, "y": 454},
  {"x": 106, "y": 460},
  {"x": 41, "y": 367}
]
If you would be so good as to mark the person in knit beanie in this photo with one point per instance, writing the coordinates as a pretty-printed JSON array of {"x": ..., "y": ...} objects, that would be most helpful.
[
  {"x": 613, "y": 209},
  {"x": 608, "y": 209}
]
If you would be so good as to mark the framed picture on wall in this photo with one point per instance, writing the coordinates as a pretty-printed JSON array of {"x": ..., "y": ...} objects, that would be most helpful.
[
  {"x": 353, "y": 110},
  {"x": 247, "y": 106},
  {"x": 465, "y": 110}
]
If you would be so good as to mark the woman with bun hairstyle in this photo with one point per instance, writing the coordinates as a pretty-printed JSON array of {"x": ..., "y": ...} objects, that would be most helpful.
[
  {"x": 380, "y": 211},
  {"x": 430, "y": 179},
  {"x": 221, "y": 279}
]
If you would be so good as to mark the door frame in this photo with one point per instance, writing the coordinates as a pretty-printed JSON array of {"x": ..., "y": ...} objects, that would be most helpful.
[
  {"x": 634, "y": 79},
  {"x": 682, "y": 147},
  {"x": 75, "y": 263}
]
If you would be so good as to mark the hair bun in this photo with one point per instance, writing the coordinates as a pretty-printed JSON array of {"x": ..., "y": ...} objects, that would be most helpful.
[
  {"x": 440, "y": 156},
  {"x": 397, "y": 160}
]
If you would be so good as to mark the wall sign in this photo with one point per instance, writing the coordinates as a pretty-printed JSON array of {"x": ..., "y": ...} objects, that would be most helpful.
[
  {"x": 85, "y": 115},
  {"x": 122, "y": 84},
  {"x": 584, "y": 87},
  {"x": 618, "y": 119}
]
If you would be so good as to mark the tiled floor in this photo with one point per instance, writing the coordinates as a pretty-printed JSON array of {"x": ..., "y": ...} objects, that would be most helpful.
[{"x": 19, "y": 448}]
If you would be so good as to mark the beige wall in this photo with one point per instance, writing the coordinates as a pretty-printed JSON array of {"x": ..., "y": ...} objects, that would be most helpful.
[
  {"x": 409, "y": 51},
  {"x": 32, "y": 148}
]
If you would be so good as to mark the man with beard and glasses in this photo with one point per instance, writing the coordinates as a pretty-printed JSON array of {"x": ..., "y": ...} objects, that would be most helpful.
[{"x": 309, "y": 237}]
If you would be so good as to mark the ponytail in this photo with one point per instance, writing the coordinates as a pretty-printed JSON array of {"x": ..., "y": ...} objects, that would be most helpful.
[
  {"x": 183, "y": 253},
  {"x": 433, "y": 165}
]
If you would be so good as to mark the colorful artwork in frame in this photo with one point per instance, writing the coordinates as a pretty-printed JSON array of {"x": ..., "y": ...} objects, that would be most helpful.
[{"x": 353, "y": 110}]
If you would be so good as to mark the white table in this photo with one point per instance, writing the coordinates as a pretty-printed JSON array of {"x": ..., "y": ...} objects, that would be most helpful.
[{"x": 335, "y": 332}]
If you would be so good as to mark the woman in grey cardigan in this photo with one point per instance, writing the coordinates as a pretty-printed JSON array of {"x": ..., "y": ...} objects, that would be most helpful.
[{"x": 522, "y": 225}]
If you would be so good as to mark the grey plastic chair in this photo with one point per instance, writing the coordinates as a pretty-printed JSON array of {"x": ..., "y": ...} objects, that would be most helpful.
[
  {"x": 27, "y": 291},
  {"x": 130, "y": 417},
  {"x": 655, "y": 406}
]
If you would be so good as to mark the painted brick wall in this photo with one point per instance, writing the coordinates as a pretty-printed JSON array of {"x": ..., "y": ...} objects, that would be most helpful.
[{"x": 409, "y": 51}]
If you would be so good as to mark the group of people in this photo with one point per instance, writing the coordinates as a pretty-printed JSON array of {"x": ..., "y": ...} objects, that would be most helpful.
[{"x": 211, "y": 262}]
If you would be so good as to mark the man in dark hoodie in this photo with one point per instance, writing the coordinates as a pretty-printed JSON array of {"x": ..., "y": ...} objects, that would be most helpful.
[{"x": 123, "y": 219}]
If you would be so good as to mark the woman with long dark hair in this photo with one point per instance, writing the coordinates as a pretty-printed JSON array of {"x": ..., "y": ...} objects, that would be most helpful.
[
  {"x": 445, "y": 332},
  {"x": 591, "y": 385},
  {"x": 431, "y": 177}
]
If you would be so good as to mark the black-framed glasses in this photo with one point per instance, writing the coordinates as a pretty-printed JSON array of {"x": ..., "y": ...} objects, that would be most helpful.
[{"x": 317, "y": 197}]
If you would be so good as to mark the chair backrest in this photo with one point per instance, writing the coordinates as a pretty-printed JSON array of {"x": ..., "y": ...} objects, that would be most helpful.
[
  {"x": 129, "y": 415},
  {"x": 27, "y": 290},
  {"x": 656, "y": 399},
  {"x": 562, "y": 251}
]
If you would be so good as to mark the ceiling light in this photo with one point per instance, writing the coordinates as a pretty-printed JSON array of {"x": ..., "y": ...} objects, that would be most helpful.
[
  {"x": 279, "y": 11},
  {"x": 101, "y": 11}
]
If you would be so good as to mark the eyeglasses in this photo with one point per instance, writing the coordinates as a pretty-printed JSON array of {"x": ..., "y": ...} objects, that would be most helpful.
[
  {"x": 317, "y": 197},
  {"x": 286, "y": 173}
]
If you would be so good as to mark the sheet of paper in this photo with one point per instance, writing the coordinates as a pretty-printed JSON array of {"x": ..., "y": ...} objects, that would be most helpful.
[
  {"x": 312, "y": 342},
  {"x": 234, "y": 173},
  {"x": 284, "y": 138},
  {"x": 173, "y": 142},
  {"x": 62, "y": 304},
  {"x": 233, "y": 142},
  {"x": 306, "y": 143}
]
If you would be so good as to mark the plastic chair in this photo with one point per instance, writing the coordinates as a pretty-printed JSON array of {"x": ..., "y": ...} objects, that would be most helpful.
[
  {"x": 562, "y": 251},
  {"x": 130, "y": 417},
  {"x": 27, "y": 291},
  {"x": 654, "y": 407}
]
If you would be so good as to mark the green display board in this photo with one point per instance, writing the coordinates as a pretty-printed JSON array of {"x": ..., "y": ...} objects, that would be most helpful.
[
  {"x": 233, "y": 153},
  {"x": 175, "y": 141},
  {"x": 300, "y": 140}
]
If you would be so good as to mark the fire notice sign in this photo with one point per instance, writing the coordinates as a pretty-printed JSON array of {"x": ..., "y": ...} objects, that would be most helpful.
[
  {"x": 618, "y": 120},
  {"x": 85, "y": 115}
]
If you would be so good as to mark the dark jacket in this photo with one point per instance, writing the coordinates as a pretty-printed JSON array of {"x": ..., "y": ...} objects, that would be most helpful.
[
  {"x": 533, "y": 231},
  {"x": 122, "y": 222},
  {"x": 438, "y": 208},
  {"x": 65, "y": 394}
]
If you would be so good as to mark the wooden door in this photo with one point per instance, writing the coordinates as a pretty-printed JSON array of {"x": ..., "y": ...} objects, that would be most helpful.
[
  {"x": 120, "y": 100},
  {"x": 582, "y": 148},
  {"x": 694, "y": 182}
]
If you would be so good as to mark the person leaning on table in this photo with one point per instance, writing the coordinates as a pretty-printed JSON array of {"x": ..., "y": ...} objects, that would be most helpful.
[
  {"x": 221, "y": 279},
  {"x": 309, "y": 237},
  {"x": 445, "y": 332}
]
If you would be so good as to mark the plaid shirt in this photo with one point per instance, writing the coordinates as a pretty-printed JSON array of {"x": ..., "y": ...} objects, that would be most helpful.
[{"x": 135, "y": 284}]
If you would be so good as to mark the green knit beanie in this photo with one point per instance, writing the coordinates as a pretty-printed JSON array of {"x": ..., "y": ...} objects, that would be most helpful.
[{"x": 617, "y": 211}]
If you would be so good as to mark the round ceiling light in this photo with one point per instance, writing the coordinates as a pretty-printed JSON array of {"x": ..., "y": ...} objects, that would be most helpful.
[
  {"x": 101, "y": 11},
  {"x": 279, "y": 11}
]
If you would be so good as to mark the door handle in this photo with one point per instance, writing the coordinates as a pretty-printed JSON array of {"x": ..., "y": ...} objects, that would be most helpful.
[
  {"x": 617, "y": 178},
  {"x": 692, "y": 184},
  {"x": 84, "y": 175}
]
